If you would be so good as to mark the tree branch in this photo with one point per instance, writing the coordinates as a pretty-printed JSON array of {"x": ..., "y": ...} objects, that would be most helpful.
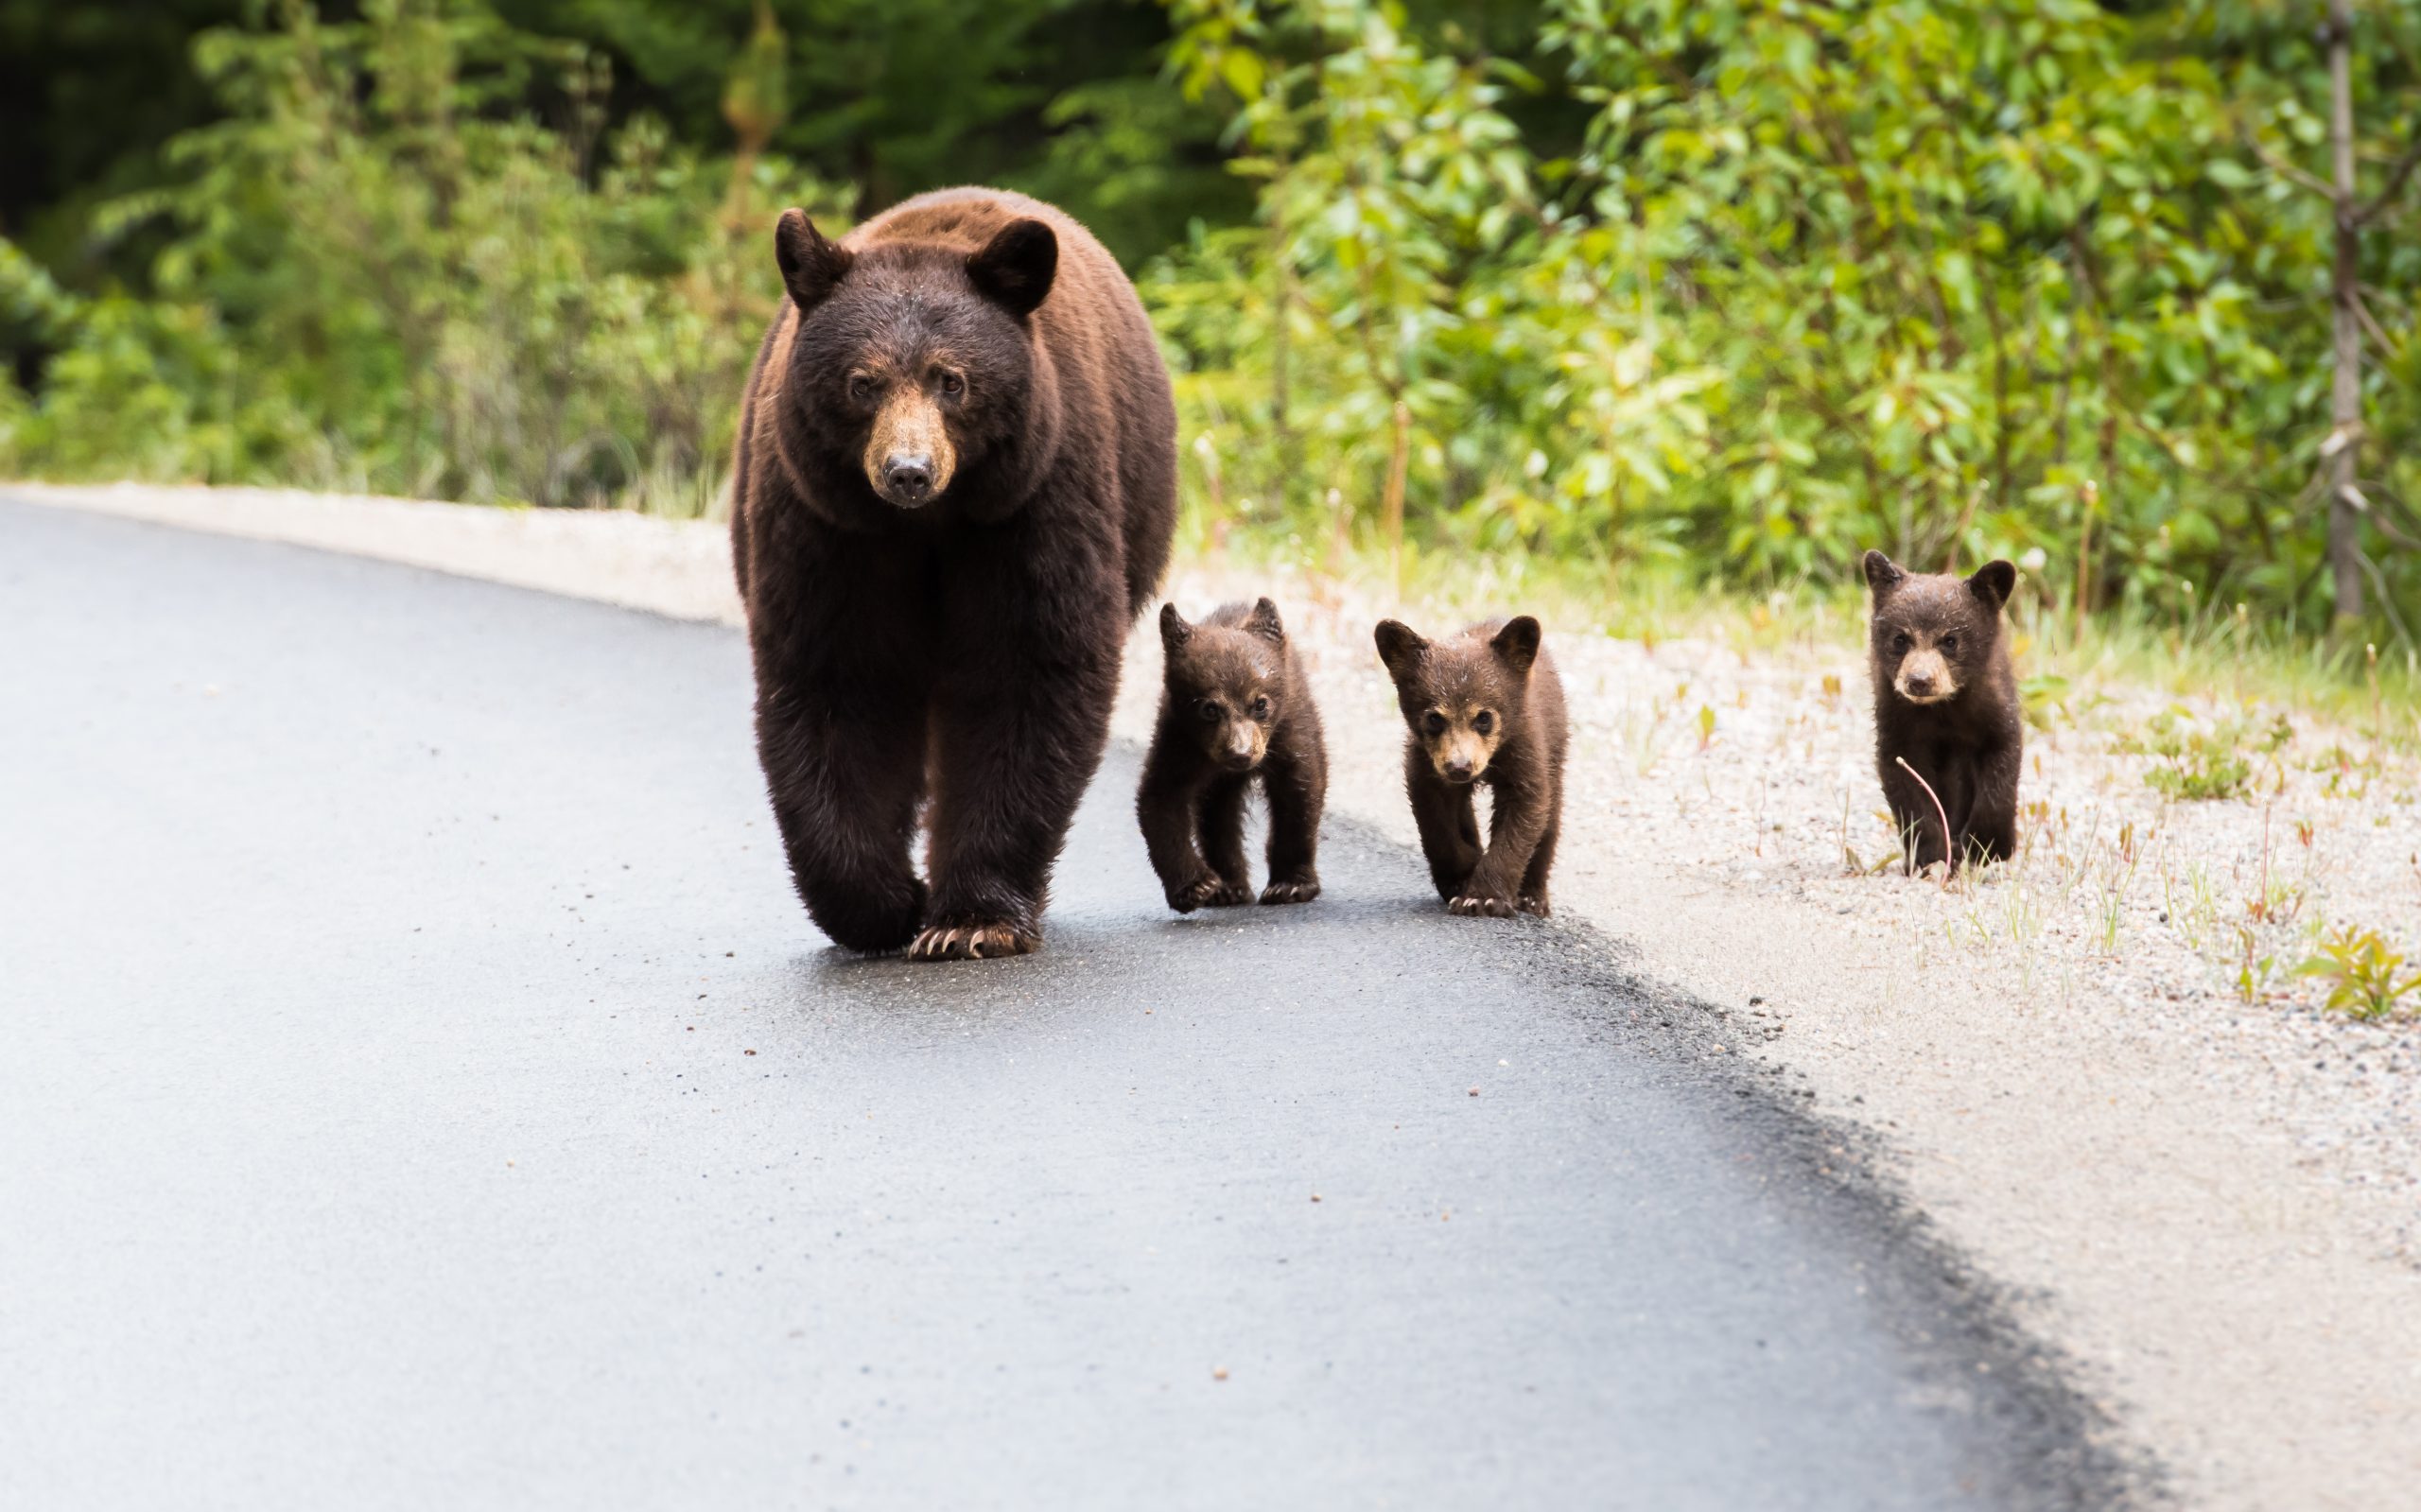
[
  {"x": 2286, "y": 170},
  {"x": 2363, "y": 312},
  {"x": 2396, "y": 177}
]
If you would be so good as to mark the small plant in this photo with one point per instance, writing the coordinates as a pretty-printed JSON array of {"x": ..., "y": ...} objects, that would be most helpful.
[
  {"x": 2204, "y": 762},
  {"x": 2045, "y": 697},
  {"x": 2366, "y": 978},
  {"x": 1706, "y": 726},
  {"x": 2254, "y": 976}
]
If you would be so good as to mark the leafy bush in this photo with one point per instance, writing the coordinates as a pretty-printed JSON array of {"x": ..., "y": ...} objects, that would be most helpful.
[
  {"x": 1955, "y": 277},
  {"x": 1710, "y": 290},
  {"x": 388, "y": 274}
]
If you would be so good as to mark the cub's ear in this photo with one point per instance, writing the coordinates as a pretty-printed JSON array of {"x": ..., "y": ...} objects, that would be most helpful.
[
  {"x": 1015, "y": 269},
  {"x": 1263, "y": 622},
  {"x": 1993, "y": 582},
  {"x": 1883, "y": 574},
  {"x": 1398, "y": 647},
  {"x": 1517, "y": 644},
  {"x": 1175, "y": 631},
  {"x": 810, "y": 266}
]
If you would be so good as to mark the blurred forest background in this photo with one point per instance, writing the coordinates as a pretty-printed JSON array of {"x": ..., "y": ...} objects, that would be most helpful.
[{"x": 1719, "y": 290}]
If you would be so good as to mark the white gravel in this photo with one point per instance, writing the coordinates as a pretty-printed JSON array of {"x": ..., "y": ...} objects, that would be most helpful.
[{"x": 2213, "y": 1205}]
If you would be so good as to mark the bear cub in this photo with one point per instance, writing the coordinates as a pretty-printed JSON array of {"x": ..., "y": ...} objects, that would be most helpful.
[
  {"x": 1945, "y": 701},
  {"x": 1482, "y": 707},
  {"x": 1234, "y": 706}
]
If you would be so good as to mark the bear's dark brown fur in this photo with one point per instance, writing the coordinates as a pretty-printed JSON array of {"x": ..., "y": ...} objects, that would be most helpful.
[
  {"x": 1945, "y": 701},
  {"x": 1234, "y": 706},
  {"x": 953, "y": 489},
  {"x": 1482, "y": 707}
]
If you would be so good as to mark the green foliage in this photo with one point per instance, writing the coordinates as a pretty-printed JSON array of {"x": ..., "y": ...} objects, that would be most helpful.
[
  {"x": 1955, "y": 277},
  {"x": 1695, "y": 292},
  {"x": 2365, "y": 977},
  {"x": 386, "y": 275},
  {"x": 2205, "y": 761}
]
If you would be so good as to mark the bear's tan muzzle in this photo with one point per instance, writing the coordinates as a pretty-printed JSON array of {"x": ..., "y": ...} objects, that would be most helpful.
[{"x": 909, "y": 458}]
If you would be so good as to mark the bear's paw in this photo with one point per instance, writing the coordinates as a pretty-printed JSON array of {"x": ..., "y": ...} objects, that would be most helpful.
[{"x": 972, "y": 942}]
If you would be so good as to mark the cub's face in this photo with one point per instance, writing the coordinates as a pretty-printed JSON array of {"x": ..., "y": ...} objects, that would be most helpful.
[
  {"x": 1227, "y": 683},
  {"x": 1932, "y": 635},
  {"x": 1458, "y": 695},
  {"x": 911, "y": 362}
]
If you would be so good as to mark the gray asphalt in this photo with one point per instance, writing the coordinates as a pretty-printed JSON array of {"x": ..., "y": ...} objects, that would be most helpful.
[{"x": 419, "y": 1086}]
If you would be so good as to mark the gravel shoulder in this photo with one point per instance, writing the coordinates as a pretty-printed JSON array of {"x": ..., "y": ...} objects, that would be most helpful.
[{"x": 2213, "y": 1205}]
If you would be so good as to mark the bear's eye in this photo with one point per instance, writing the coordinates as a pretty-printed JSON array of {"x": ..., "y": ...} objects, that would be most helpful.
[
  {"x": 1483, "y": 721},
  {"x": 860, "y": 387},
  {"x": 1206, "y": 711},
  {"x": 1260, "y": 708},
  {"x": 953, "y": 385},
  {"x": 1901, "y": 641},
  {"x": 1434, "y": 723},
  {"x": 1949, "y": 643}
]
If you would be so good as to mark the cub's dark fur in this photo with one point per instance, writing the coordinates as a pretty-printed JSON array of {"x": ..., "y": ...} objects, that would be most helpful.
[
  {"x": 953, "y": 490},
  {"x": 1234, "y": 706},
  {"x": 1484, "y": 705},
  {"x": 1945, "y": 700}
]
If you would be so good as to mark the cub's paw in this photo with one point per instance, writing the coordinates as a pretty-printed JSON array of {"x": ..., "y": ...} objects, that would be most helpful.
[
  {"x": 972, "y": 942},
  {"x": 1472, "y": 906},
  {"x": 1300, "y": 891},
  {"x": 1538, "y": 905},
  {"x": 1229, "y": 894},
  {"x": 1203, "y": 892}
]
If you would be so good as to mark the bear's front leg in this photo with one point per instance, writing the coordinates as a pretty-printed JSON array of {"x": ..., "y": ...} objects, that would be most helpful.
[
  {"x": 1449, "y": 827},
  {"x": 844, "y": 796},
  {"x": 1168, "y": 806},
  {"x": 1223, "y": 841},
  {"x": 1923, "y": 843},
  {"x": 1988, "y": 832},
  {"x": 1297, "y": 787},
  {"x": 1024, "y": 681},
  {"x": 1517, "y": 820}
]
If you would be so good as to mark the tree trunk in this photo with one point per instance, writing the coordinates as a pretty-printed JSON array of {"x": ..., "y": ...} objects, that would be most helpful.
[{"x": 2345, "y": 518}]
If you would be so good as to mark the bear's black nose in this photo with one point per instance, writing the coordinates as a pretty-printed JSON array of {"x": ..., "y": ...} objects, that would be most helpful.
[
  {"x": 1459, "y": 771},
  {"x": 1920, "y": 684},
  {"x": 908, "y": 479}
]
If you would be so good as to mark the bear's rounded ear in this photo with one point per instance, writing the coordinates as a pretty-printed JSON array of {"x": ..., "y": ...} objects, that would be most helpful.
[
  {"x": 811, "y": 265},
  {"x": 1175, "y": 631},
  {"x": 1015, "y": 269},
  {"x": 1993, "y": 582},
  {"x": 1883, "y": 574},
  {"x": 1264, "y": 621},
  {"x": 1517, "y": 644},
  {"x": 1398, "y": 647}
]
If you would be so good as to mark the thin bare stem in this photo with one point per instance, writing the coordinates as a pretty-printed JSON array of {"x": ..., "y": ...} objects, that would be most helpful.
[{"x": 1949, "y": 848}]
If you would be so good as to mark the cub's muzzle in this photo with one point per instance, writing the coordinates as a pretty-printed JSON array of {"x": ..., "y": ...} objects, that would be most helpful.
[{"x": 1925, "y": 677}]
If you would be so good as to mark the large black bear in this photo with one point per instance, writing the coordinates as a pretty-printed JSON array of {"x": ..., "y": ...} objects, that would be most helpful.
[{"x": 952, "y": 492}]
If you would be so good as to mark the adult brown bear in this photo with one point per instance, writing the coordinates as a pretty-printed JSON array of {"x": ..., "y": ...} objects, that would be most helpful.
[{"x": 953, "y": 490}]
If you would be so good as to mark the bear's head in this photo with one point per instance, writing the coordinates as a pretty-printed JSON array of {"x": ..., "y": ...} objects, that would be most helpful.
[
  {"x": 1934, "y": 635},
  {"x": 914, "y": 368},
  {"x": 1459, "y": 695},
  {"x": 1227, "y": 681}
]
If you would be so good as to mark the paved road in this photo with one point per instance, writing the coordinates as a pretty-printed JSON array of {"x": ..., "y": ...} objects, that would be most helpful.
[{"x": 419, "y": 1088}]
